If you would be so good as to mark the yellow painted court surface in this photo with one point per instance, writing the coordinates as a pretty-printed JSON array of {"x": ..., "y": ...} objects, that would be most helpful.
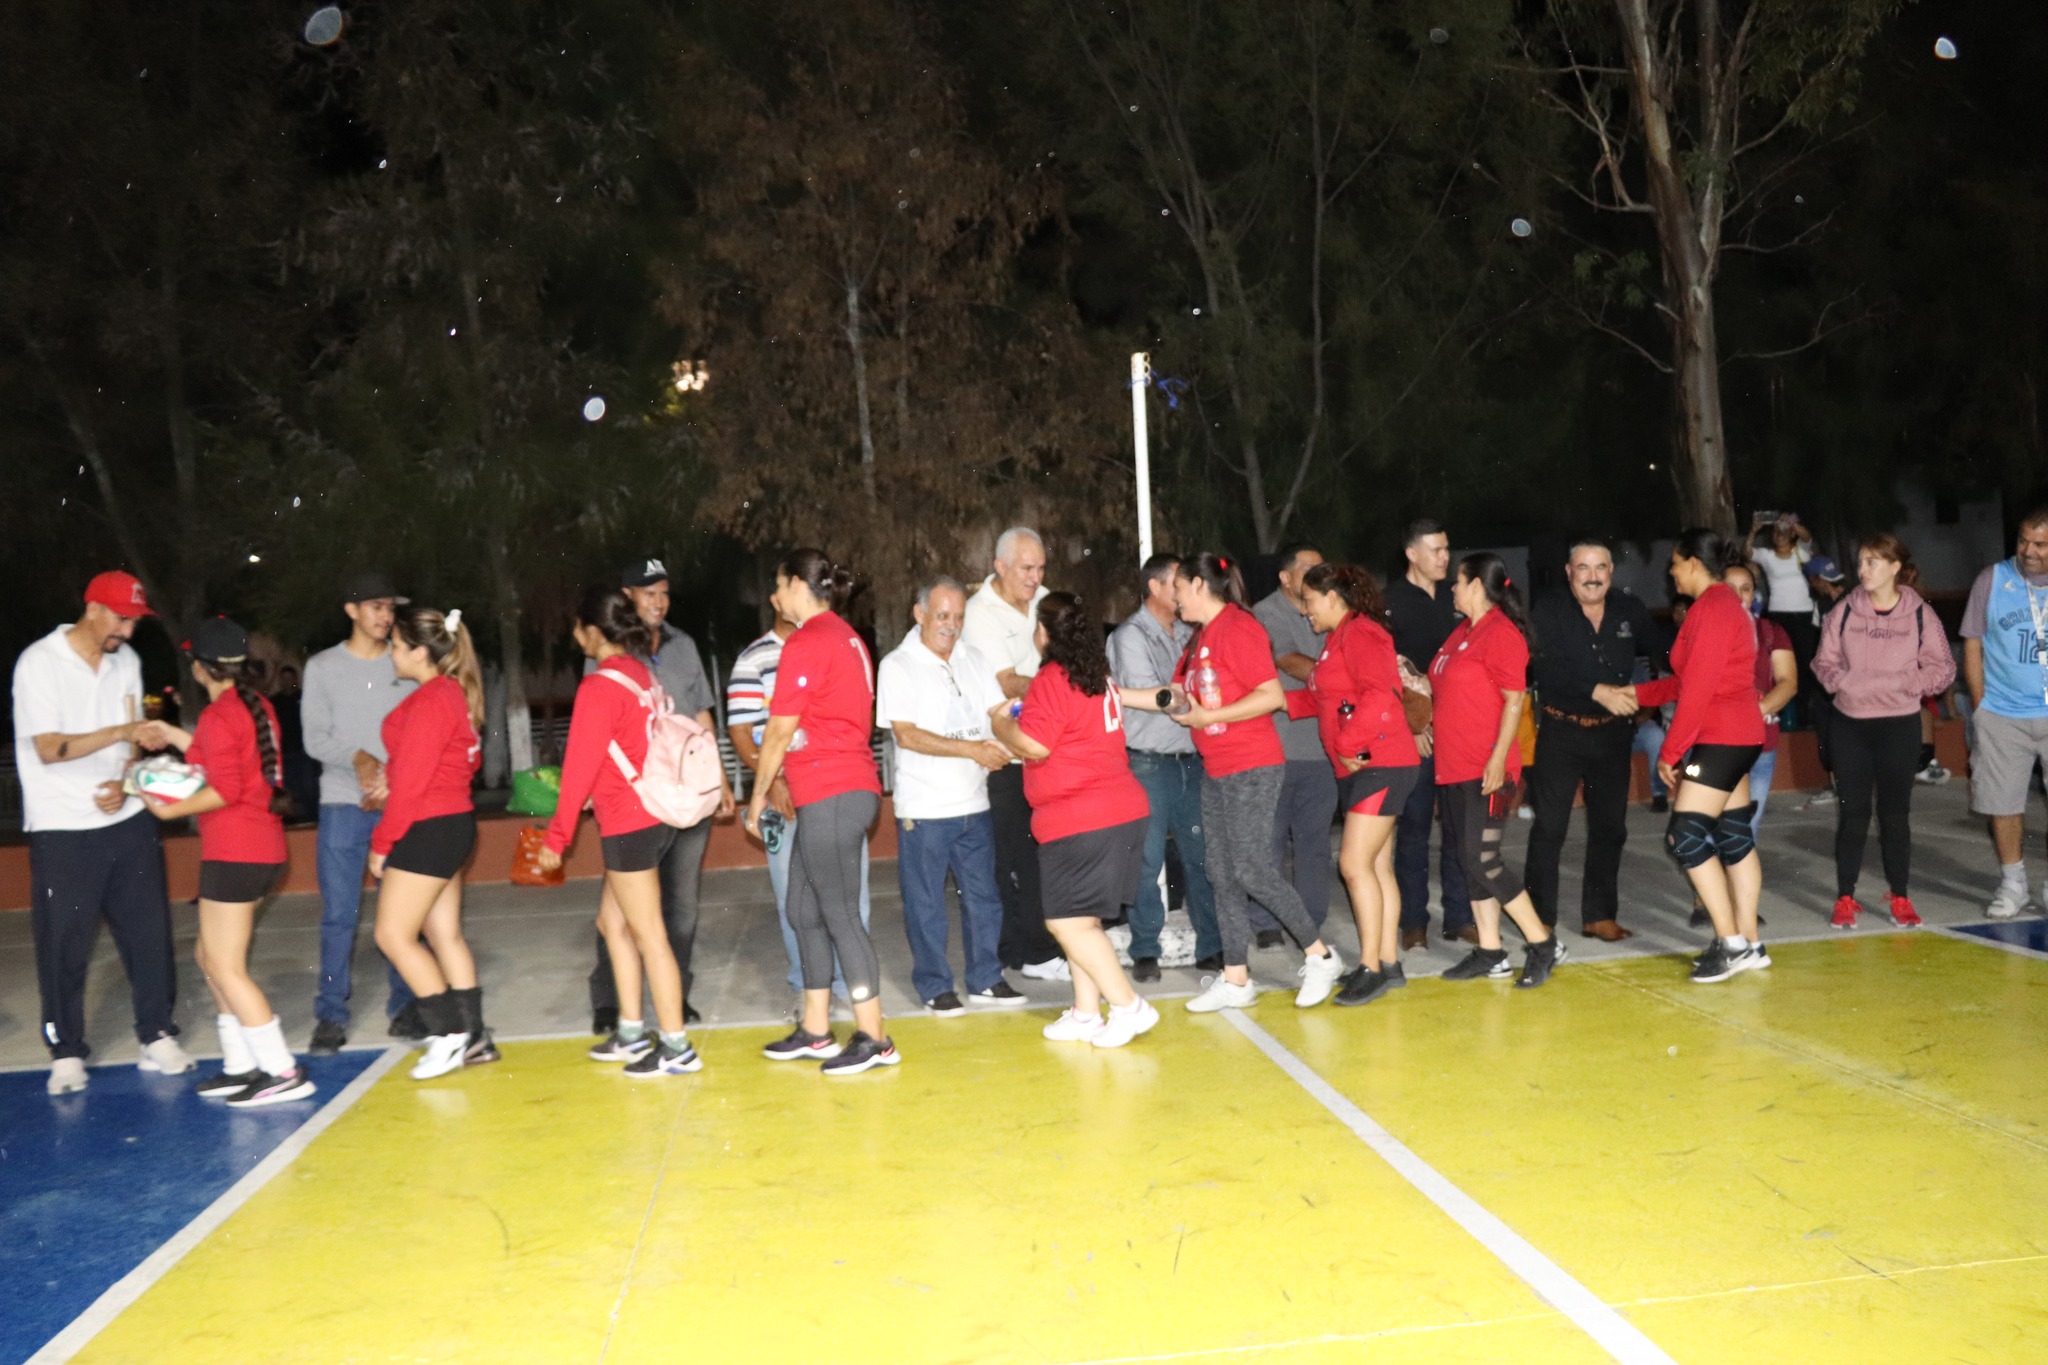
[{"x": 1843, "y": 1160}]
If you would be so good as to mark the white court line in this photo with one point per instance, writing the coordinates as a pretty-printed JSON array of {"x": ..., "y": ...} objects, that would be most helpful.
[
  {"x": 2020, "y": 949},
  {"x": 1615, "y": 1334},
  {"x": 130, "y": 1287}
]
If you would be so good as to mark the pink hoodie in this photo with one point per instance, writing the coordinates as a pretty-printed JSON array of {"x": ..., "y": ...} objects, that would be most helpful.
[{"x": 1882, "y": 665}]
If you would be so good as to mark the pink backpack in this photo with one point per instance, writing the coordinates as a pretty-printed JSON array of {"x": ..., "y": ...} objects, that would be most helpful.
[{"x": 682, "y": 779}]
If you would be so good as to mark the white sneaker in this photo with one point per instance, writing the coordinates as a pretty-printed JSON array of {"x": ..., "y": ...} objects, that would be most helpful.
[
  {"x": 1933, "y": 775},
  {"x": 443, "y": 1055},
  {"x": 1074, "y": 1027},
  {"x": 67, "y": 1076},
  {"x": 1052, "y": 969},
  {"x": 2006, "y": 903},
  {"x": 1220, "y": 994},
  {"x": 1127, "y": 1023},
  {"x": 164, "y": 1055},
  {"x": 1318, "y": 978}
]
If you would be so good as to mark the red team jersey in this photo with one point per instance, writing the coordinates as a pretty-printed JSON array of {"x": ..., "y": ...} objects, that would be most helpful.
[
  {"x": 434, "y": 754},
  {"x": 1713, "y": 663},
  {"x": 224, "y": 743},
  {"x": 1476, "y": 665},
  {"x": 1357, "y": 668},
  {"x": 827, "y": 681},
  {"x": 1086, "y": 783},
  {"x": 1238, "y": 648},
  {"x": 605, "y": 713}
]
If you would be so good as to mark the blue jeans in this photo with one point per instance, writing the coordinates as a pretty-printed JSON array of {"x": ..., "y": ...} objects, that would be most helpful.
[
  {"x": 1411, "y": 859},
  {"x": 778, "y": 877},
  {"x": 1649, "y": 739},
  {"x": 1760, "y": 773},
  {"x": 1173, "y": 784},
  {"x": 926, "y": 850},
  {"x": 344, "y": 853}
]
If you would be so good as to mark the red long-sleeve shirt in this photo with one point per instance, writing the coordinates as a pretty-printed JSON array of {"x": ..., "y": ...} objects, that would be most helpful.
[
  {"x": 433, "y": 753},
  {"x": 1713, "y": 663},
  {"x": 224, "y": 743},
  {"x": 605, "y": 712},
  {"x": 1357, "y": 667}
]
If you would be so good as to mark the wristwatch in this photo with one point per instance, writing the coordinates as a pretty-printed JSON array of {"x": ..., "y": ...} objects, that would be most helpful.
[{"x": 1164, "y": 697}]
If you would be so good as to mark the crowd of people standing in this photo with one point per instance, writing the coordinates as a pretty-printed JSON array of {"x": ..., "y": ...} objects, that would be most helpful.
[{"x": 1040, "y": 767}]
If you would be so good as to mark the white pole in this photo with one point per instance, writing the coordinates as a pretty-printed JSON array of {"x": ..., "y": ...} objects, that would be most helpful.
[{"x": 1141, "y": 375}]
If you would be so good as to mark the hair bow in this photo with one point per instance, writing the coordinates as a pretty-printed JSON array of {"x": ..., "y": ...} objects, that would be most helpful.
[{"x": 452, "y": 620}]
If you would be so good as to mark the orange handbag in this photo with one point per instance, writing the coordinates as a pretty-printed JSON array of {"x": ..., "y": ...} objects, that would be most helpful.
[{"x": 526, "y": 868}]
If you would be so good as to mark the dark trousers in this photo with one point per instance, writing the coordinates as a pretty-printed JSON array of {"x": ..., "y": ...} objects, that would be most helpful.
[
  {"x": 1877, "y": 757},
  {"x": 1411, "y": 860},
  {"x": 1569, "y": 755},
  {"x": 1025, "y": 937},
  {"x": 682, "y": 873},
  {"x": 79, "y": 877},
  {"x": 1301, "y": 838}
]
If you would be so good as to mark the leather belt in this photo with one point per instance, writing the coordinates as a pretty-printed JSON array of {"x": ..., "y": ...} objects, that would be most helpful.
[{"x": 1583, "y": 722}]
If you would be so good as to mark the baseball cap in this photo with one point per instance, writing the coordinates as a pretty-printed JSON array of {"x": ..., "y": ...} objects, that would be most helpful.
[
  {"x": 644, "y": 573},
  {"x": 218, "y": 640},
  {"x": 369, "y": 586},
  {"x": 1823, "y": 568},
  {"x": 120, "y": 593}
]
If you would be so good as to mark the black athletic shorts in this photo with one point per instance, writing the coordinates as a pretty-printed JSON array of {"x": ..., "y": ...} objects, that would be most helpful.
[
  {"x": 237, "y": 883},
  {"x": 1092, "y": 874},
  {"x": 640, "y": 851},
  {"x": 1376, "y": 791},
  {"x": 436, "y": 847},
  {"x": 1719, "y": 766}
]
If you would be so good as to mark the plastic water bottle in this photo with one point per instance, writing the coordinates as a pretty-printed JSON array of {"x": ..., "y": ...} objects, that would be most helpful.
[
  {"x": 798, "y": 740},
  {"x": 771, "y": 830},
  {"x": 1209, "y": 691}
]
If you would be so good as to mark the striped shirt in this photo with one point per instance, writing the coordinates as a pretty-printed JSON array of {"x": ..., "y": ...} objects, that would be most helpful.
[{"x": 752, "y": 685}]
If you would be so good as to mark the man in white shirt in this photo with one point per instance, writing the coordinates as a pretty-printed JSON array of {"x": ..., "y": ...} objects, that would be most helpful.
[
  {"x": 1001, "y": 624},
  {"x": 93, "y": 851},
  {"x": 934, "y": 692}
]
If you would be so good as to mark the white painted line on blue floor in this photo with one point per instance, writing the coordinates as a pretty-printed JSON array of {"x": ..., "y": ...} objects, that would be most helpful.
[
  {"x": 1987, "y": 941},
  {"x": 1615, "y": 1334},
  {"x": 130, "y": 1287}
]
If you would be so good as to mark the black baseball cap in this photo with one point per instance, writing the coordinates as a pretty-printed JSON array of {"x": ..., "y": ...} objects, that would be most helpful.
[
  {"x": 644, "y": 573},
  {"x": 369, "y": 586},
  {"x": 218, "y": 640}
]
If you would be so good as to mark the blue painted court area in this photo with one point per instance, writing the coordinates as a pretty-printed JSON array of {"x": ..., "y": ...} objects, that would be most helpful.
[
  {"x": 2021, "y": 933},
  {"x": 91, "y": 1184}
]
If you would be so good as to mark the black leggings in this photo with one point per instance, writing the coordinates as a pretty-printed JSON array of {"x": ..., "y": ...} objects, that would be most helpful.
[
  {"x": 824, "y": 895},
  {"x": 1878, "y": 755},
  {"x": 1472, "y": 830}
]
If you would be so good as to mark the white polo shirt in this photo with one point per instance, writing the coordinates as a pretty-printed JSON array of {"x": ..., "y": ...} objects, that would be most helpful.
[
  {"x": 945, "y": 697},
  {"x": 57, "y": 692},
  {"x": 1002, "y": 633}
]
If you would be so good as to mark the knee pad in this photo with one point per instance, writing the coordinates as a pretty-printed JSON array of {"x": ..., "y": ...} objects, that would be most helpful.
[
  {"x": 1690, "y": 837},
  {"x": 1734, "y": 839}
]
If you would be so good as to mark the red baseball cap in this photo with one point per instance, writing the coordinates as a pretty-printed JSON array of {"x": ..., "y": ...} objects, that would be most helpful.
[{"x": 120, "y": 593}]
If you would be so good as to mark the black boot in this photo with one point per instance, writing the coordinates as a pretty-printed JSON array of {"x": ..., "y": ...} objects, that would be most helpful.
[{"x": 469, "y": 1005}]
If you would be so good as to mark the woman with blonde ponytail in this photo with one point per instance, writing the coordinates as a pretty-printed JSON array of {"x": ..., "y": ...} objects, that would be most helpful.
[{"x": 427, "y": 833}]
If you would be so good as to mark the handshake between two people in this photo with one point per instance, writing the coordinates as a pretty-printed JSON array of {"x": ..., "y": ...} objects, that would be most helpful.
[{"x": 1620, "y": 701}]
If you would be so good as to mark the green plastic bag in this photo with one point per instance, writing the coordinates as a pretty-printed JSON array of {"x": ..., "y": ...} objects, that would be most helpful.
[{"x": 535, "y": 791}]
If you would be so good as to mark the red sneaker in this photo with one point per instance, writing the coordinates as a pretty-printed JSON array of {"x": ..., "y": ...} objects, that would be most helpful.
[
  {"x": 1846, "y": 911},
  {"x": 1903, "y": 913}
]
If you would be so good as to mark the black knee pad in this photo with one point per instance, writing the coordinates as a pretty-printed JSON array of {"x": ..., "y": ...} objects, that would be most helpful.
[
  {"x": 1734, "y": 839},
  {"x": 1690, "y": 837}
]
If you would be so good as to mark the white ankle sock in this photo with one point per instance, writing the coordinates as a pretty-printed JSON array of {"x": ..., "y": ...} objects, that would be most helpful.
[
  {"x": 2014, "y": 875},
  {"x": 235, "y": 1057},
  {"x": 1735, "y": 943},
  {"x": 632, "y": 1030},
  {"x": 267, "y": 1042}
]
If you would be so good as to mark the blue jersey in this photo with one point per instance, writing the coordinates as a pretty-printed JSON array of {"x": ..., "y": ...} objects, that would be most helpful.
[{"x": 2015, "y": 657}]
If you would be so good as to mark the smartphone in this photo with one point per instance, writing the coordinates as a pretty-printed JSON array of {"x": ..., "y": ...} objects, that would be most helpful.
[{"x": 1762, "y": 518}]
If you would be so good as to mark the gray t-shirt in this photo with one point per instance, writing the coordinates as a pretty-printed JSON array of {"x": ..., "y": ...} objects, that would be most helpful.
[
  {"x": 1143, "y": 653},
  {"x": 343, "y": 709},
  {"x": 1290, "y": 633},
  {"x": 680, "y": 671}
]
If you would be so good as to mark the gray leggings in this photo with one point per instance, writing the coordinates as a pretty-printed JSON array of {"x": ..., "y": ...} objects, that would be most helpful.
[
  {"x": 1237, "y": 815},
  {"x": 824, "y": 895}
]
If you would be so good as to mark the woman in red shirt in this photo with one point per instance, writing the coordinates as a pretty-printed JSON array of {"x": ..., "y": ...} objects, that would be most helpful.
[
  {"x": 1088, "y": 815},
  {"x": 1480, "y": 682},
  {"x": 610, "y": 717},
  {"x": 241, "y": 855},
  {"x": 1355, "y": 696},
  {"x": 427, "y": 832},
  {"x": 1715, "y": 737},
  {"x": 820, "y": 734},
  {"x": 1232, "y": 691}
]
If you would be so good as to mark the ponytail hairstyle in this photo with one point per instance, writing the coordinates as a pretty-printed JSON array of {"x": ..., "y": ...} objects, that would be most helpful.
[
  {"x": 1491, "y": 572},
  {"x": 1358, "y": 588},
  {"x": 831, "y": 583},
  {"x": 608, "y": 611},
  {"x": 247, "y": 675},
  {"x": 1074, "y": 642},
  {"x": 449, "y": 648},
  {"x": 1219, "y": 573},
  {"x": 1885, "y": 545},
  {"x": 1715, "y": 552}
]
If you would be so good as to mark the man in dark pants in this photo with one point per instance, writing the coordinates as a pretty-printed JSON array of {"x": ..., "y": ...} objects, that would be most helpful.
[
  {"x": 676, "y": 666},
  {"x": 1308, "y": 794},
  {"x": 1423, "y": 617},
  {"x": 1587, "y": 641}
]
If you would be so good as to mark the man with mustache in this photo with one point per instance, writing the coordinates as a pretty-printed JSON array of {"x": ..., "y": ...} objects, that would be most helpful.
[{"x": 2005, "y": 666}]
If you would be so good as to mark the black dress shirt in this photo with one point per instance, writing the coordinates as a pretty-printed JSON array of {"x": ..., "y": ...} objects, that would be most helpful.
[
  {"x": 1569, "y": 657},
  {"x": 1421, "y": 622}
]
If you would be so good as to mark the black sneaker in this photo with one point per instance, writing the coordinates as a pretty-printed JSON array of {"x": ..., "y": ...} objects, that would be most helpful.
[
  {"x": 862, "y": 1053},
  {"x": 604, "y": 1019},
  {"x": 1660, "y": 805},
  {"x": 1717, "y": 963},
  {"x": 481, "y": 1049},
  {"x": 1002, "y": 993},
  {"x": 663, "y": 1060},
  {"x": 690, "y": 1015},
  {"x": 1395, "y": 973},
  {"x": 1363, "y": 987},
  {"x": 801, "y": 1046},
  {"x": 1477, "y": 963},
  {"x": 1344, "y": 982},
  {"x": 619, "y": 1049},
  {"x": 1212, "y": 963},
  {"x": 1538, "y": 963},
  {"x": 228, "y": 1083},
  {"x": 946, "y": 1005},
  {"x": 407, "y": 1023},
  {"x": 1268, "y": 938},
  {"x": 1144, "y": 969},
  {"x": 328, "y": 1038},
  {"x": 292, "y": 1085},
  {"x": 1699, "y": 916}
]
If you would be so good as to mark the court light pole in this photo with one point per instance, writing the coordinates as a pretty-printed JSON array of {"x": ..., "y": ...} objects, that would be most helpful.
[{"x": 1141, "y": 378}]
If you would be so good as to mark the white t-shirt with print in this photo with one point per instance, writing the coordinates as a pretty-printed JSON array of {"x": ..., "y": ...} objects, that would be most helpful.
[{"x": 949, "y": 698}]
